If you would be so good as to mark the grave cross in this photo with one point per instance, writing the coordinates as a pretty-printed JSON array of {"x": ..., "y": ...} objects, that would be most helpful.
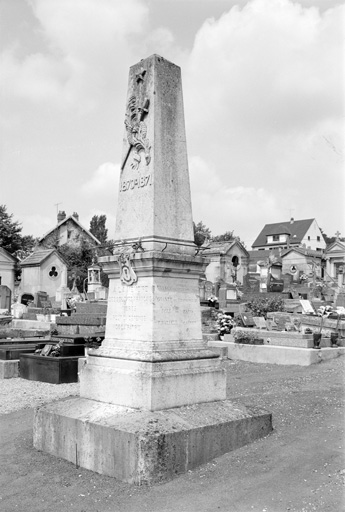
[{"x": 337, "y": 234}]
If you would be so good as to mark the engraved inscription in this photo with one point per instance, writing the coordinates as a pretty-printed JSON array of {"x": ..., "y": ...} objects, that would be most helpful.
[{"x": 139, "y": 182}]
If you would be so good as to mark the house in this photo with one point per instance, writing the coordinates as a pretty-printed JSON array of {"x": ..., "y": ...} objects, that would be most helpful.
[
  {"x": 44, "y": 270},
  {"x": 335, "y": 262},
  {"x": 7, "y": 269},
  {"x": 67, "y": 231},
  {"x": 293, "y": 233}
]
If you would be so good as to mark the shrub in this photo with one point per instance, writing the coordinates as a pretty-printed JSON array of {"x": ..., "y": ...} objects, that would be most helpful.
[{"x": 260, "y": 307}]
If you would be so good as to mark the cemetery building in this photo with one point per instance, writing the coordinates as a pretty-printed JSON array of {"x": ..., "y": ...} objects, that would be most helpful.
[
  {"x": 44, "y": 270},
  {"x": 293, "y": 233},
  {"x": 228, "y": 261},
  {"x": 7, "y": 269},
  {"x": 335, "y": 261},
  {"x": 68, "y": 230}
]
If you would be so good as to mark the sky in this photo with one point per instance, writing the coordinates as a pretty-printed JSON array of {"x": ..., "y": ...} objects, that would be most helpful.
[{"x": 263, "y": 88}]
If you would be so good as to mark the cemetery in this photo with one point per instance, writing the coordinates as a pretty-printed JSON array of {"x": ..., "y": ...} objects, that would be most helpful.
[{"x": 148, "y": 352}]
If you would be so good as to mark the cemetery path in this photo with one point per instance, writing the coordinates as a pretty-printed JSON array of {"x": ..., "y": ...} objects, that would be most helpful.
[{"x": 300, "y": 467}]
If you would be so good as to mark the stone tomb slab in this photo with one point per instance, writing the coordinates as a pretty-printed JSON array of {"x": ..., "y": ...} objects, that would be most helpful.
[
  {"x": 141, "y": 446},
  {"x": 55, "y": 370}
]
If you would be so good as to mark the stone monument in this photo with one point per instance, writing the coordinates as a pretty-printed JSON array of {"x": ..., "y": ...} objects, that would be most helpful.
[{"x": 153, "y": 397}]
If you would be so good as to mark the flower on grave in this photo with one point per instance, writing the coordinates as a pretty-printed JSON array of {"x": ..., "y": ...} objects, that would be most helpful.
[{"x": 224, "y": 323}]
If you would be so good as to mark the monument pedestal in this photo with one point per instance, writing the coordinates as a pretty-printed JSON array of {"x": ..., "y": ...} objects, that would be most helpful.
[
  {"x": 141, "y": 446},
  {"x": 154, "y": 356}
]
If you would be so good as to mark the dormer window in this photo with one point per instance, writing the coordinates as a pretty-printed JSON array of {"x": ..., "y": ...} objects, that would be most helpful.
[{"x": 275, "y": 238}]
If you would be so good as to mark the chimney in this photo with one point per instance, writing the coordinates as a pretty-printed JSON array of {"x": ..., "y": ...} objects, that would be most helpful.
[
  {"x": 61, "y": 216},
  {"x": 75, "y": 215},
  {"x": 292, "y": 220}
]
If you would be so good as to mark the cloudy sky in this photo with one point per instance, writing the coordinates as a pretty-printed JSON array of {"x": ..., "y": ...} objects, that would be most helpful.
[{"x": 263, "y": 85}]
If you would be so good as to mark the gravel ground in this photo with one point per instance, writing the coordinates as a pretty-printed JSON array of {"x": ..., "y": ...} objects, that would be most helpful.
[
  {"x": 17, "y": 394},
  {"x": 300, "y": 467}
]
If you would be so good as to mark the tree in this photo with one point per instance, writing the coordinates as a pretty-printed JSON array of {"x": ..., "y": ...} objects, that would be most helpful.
[
  {"x": 330, "y": 239},
  {"x": 201, "y": 233},
  {"x": 10, "y": 231},
  {"x": 98, "y": 229},
  {"x": 225, "y": 237}
]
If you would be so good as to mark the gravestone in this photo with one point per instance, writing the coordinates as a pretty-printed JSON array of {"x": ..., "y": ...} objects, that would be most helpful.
[
  {"x": 153, "y": 396},
  {"x": 260, "y": 322}
]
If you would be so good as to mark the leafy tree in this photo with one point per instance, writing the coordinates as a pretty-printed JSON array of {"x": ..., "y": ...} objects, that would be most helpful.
[
  {"x": 201, "y": 233},
  {"x": 225, "y": 237},
  {"x": 10, "y": 231},
  {"x": 98, "y": 229}
]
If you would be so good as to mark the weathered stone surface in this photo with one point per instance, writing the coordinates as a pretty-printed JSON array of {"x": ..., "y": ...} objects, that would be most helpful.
[
  {"x": 9, "y": 369},
  {"x": 281, "y": 355},
  {"x": 91, "y": 308},
  {"x": 140, "y": 446},
  {"x": 80, "y": 320}
]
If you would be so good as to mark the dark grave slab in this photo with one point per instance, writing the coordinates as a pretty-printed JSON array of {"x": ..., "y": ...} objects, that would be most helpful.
[
  {"x": 247, "y": 319},
  {"x": 10, "y": 352},
  {"x": 54, "y": 370},
  {"x": 71, "y": 349},
  {"x": 80, "y": 320}
]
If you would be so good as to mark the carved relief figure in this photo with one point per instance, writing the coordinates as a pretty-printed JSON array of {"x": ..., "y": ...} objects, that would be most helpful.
[{"x": 137, "y": 131}]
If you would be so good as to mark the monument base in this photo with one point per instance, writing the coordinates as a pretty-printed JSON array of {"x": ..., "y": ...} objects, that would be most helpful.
[{"x": 141, "y": 446}]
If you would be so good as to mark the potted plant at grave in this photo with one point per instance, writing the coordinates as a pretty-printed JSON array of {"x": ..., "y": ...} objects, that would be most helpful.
[
  {"x": 224, "y": 324},
  {"x": 247, "y": 337},
  {"x": 323, "y": 312}
]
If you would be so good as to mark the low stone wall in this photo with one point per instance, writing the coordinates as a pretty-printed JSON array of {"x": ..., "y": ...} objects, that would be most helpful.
[
  {"x": 285, "y": 338},
  {"x": 309, "y": 321}
]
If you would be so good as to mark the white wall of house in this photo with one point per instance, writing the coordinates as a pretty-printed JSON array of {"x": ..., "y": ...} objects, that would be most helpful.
[{"x": 313, "y": 238}]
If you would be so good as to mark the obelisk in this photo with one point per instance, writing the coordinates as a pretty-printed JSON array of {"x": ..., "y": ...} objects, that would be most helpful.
[
  {"x": 153, "y": 356},
  {"x": 152, "y": 398}
]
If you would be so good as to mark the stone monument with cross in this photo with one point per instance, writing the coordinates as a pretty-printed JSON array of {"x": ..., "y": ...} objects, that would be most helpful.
[{"x": 153, "y": 398}]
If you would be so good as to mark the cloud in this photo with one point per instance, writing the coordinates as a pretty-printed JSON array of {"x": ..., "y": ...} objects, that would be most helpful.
[
  {"x": 224, "y": 208},
  {"x": 104, "y": 182},
  {"x": 263, "y": 92}
]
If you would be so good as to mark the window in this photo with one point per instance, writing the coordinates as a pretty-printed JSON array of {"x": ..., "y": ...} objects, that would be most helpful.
[
  {"x": 318, "y": 238},
  {"x": 308, "y": 238},
  {"x": 53, "y": 273},
  {"x": 275, "y": 238}
]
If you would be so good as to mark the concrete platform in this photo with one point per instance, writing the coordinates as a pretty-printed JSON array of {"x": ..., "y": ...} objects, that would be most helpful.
[
  {"x": 279, "y": 354},
  {"x": 9, "y": 369},
  {"x": 141, "y": 446}
]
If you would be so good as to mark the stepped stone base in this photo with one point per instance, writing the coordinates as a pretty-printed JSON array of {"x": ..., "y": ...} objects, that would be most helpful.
[
  {"x": 138, "y": 446},
  {"x": 280, "y": 355},
  {"x": 9, "y": 369}
]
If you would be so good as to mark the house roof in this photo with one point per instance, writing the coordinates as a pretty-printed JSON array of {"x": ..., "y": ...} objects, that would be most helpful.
[
  {"x": 337, "y": 245},
  {"x": 7, "y": 255},
  {"x": 38, "y": 256},
  {"x": 222, "y": 247},
  {"x": 296, "y": 229},
  {"x": 76, "y": 221},
  {"x": 304, "y": 252}
]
